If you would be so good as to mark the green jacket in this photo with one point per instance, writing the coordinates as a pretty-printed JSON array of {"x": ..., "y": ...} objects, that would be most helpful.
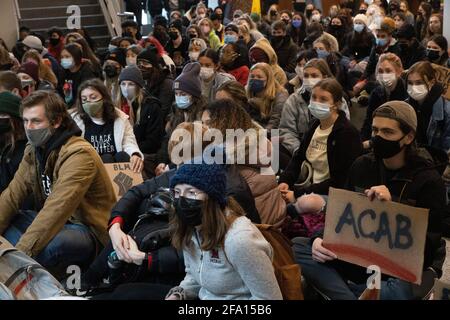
[{"x": 81, "y": 192}]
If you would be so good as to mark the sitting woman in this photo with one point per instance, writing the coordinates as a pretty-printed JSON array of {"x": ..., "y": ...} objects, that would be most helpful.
[
  {"x": 234, "y": 60},
  {"x": 210, "y": 75},
  {"x": 237, "y": 263},
  {"x": 324, "y": 51},
  {"x": 390, "y": 87},
  {"x": 328, "y": 148},
  {"x": 105, "y": 127},
  {"x": 270, "y": 94}
]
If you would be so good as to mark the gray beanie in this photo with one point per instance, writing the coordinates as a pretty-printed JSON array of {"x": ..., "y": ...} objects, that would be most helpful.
[
  {"x": 132, "y": 73},
  {"x": 189, "y": 80},
  {"x": 399, "y": 111}
]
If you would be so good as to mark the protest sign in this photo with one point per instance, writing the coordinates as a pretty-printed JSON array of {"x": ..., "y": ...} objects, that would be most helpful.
[
  {"x": 386, "y": 234},
  {"x": 122, "y": 177}
]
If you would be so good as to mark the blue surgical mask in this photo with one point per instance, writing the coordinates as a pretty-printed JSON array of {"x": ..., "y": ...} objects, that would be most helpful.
[
  {"x": 67, "y": 63},
  {"x": 358, "y": 27},
  {"x": 322, "y": 54},
  {"x": 319, "y": 110},
  {"x": 183, "y": 102},
  {"x": 230, "y": 38},
  {"x": 256, "y": 85},
  {"x": 296, "y": 23},
  {"x": 382, "y": 42},
  {"x": 111, "y": 47}
]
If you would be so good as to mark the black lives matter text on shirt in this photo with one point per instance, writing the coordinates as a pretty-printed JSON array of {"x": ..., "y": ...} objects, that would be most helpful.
[{"x": 101, "y": 137}]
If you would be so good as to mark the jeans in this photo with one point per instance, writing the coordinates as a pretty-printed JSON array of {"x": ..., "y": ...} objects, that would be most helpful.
[
  {"x": 327, "y": 280},
  {"x": 73, "y": 245}
]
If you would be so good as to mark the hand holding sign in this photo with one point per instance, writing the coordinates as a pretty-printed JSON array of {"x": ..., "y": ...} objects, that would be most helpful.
[
  {"x": 320, "y": 253},
  {"x": 381, "y": 193}
]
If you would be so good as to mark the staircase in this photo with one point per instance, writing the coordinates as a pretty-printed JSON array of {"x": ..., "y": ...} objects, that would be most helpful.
[{"x": 41, "y": 15}]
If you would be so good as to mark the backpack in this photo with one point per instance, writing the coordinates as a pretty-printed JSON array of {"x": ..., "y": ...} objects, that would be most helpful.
[
  {"x": 23, "y": 277},
  {"x": 287, "y": 271}
]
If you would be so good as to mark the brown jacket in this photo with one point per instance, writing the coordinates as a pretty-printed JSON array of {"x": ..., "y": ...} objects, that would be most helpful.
[{"x": 81, "y": 192}]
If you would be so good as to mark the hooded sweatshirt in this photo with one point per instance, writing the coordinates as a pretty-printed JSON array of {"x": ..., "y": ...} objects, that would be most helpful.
[{"x": 264, "y": 45}]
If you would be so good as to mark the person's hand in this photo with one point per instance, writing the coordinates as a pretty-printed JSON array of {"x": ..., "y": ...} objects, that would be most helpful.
[
  {"x": 173, "y": 297},
  {"x": 352, "y": 64},
  {"x": 283, "y": 187},
  {"x": 380, "y": 192},
  {"x": 120, "y": 242},
  {"x": 134, "y": 253},
  {"x": 137, "y": 164},
  {"x": 320, "y": 253},
  {"x": 288, "y": 196},
  {"x": 367, "y": 144},
  {"x": 161, "y": 168},
  {"x": 358, "y": 87}
]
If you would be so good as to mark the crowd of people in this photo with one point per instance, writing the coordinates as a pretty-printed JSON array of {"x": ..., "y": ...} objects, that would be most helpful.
[{"x": 67, "y": 107}]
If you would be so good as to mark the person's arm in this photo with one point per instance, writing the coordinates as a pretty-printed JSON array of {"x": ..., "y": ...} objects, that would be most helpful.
[
  {"x": 292, "y": 58},
  {"x": 190, "y": 286},
  {"x": 12, "y": 197},
  {"x": 277, "y": 109},
  {"x": 371, "y": 65},
  {"x": 153, "y": 129},
  {"x": 251, "y": 256},
  {"x": 166, "y": 97},
  {"x": 292, "y": 117},
  {"x": 374, "y": 102},
  {"x": 75, "y": 178},
  {"x": 129, "y": 144}
]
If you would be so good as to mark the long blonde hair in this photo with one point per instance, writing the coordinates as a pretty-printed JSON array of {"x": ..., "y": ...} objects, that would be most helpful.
[
  {"x": 270, "y": 91},
  {"x": 119, "y": 99}
]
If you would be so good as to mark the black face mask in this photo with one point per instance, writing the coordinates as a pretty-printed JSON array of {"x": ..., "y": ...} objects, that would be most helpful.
[
  {"x": 433, "y": 55},
  {"x": 276, "y": 40},
  {"x": 5, "y": 125},
  {"x": 385, "y": 149},
  {"x": 173, "y": 35},
  {"x": 404, "y": 46},
  {"x": 189, "y": 211},
  {"x": 54, "y": 41},
  {"x": 362, "y": 11},
  {"x": 111, "y": 71},
  {"x": 146, "y": 73},
  {"x": 308, "y": 13},
  {"x": 192, "y": 35}
]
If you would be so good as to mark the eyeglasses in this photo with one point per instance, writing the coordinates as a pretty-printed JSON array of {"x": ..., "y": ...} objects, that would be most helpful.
[{"x": 188, "y": 193}]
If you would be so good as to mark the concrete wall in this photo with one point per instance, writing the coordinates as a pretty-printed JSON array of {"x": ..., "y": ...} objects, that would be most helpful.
[{"x": 8, "y": 23}]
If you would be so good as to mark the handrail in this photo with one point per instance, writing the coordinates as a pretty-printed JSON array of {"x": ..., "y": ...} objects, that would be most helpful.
[
  {"x": 111, "y": 9},
  {"x": 18, "y": 16}
]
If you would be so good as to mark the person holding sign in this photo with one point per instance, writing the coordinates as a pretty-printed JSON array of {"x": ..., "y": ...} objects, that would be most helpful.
[
  {"x": 396, "y": 170},
  {"x": 106, "y": 128},
  {"x": 328, "y": 148}
]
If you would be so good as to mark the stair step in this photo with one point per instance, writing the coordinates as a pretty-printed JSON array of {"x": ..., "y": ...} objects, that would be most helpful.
[
  {"x": 60, "y": 11},
  {"x": 51, "y": 3},
  {"x": 42, "y": 23}
]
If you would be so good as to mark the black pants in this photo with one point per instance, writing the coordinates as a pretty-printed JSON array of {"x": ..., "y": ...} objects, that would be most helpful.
[
  {"x": 136, "y": 291},
  {"x": 118, "y": 157}
]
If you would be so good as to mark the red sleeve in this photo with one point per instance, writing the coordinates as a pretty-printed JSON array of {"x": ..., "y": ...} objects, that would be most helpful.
[
  {"x": 116, "y": 220},
  {"x": 150, "y": 261}
]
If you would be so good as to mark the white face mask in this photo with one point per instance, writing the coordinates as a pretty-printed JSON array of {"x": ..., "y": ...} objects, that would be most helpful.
[
  {"x": 309, "y": 83},
  {"x": 194, "y": 55},
  {"x": 316, "y": 17},
  {"x": 418, "y": 92},
  {"x": 299, "y": 71},
  {"x": 389, "y": 80},
  {"x": 131, "y": 61},
  {"x": 206, "y": 30},
  {"x": 206, "y": 73},
  {"x": 128, "y": 91}
]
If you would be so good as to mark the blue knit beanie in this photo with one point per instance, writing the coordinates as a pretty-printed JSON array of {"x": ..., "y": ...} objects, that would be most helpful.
[
  {"x": 189, "y": 80},
  {"x": 210, "y": 178}
]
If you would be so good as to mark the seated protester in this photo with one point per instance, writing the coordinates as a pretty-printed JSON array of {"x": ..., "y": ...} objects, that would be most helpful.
[
  {"x": 144, "y": 112},
  {"x": 246, "y": 20},
  {"x": 232, "y": 34},
  {"x": 178, "y": 44},
  {"x": 106, "y": 128},
  {"x": 89, "y": 55},
  {"x": 224, "y": 235},
  {"x": 189, "y": 105},
  {"x": 158, "y": 80},
  {"x": 29, "y": 77},
  {"x": 244, "y": 36},
  {"x": 55, "y": 43},
  {"x": 114, "y": 62},
  {"x": 434, "y": 28},
  {"x": 314, "y": 31},
  {"x": 323, "y": 49},
  {"x": 19, "y": 48},
  {"x": 72, "y": 205},
  {"x": 168, "y": 65},
  {"x": 337, "y": 28},
  {"x": 85, "y": 35},
  {"x": 193, "y": 31},
  {"x": 76, "y": 71},
  {"x": 356, "y": 49},
  {"x": 298, "y": 28},
  {"x": 132, "y": 54},
  {"x": 284, "y": 47},
  {"x": 263, "y": 86},
  {"x": 9, "y": 81},
  {"x": 126, "y": 42},
  {"x": 234, "y": 60},
  {"x": 235, "y": 91},
  {"x": 211, "y": 77},
  {"x": 383, "y": 174},
  {"x": 262, "y": 51},
  {"x": 225, "y": 114},
  {"x": 400, "y": 20},
  {"x": 432, "y": 108},
  {"x": 219, "y": 28},
  {"x": 384, "y": 43},
  {"x": 131, "y": 29},
  {"x": 33, "y": 42},
  {"x": 207, "y": 29},
  {"x": 411, "y": 51},
  {"x": 196, "y": 46},
  {"x": 437, "y": 51},
  {"x": 12, "y": 138},
  {"x": 328, "y": 148},
  {"x": 390, "y": 87},
  {"x": 296, "y": 82},
  {"x": 47, "y": 79}
]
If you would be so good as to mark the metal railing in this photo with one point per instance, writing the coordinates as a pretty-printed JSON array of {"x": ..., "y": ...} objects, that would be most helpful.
[
  {"x": 18, "y": 16},
  {"x": 111, "y": 10}
]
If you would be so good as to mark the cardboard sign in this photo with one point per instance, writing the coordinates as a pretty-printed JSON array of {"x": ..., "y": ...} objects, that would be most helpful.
[
  {"x": 441, "y": 290},
  {"x": 386, "y": 234},
  {"x": 122, "y": 177}
]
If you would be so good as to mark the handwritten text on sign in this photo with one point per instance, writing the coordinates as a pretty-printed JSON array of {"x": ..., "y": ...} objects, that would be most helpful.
[{"x": 387, "y": 234}]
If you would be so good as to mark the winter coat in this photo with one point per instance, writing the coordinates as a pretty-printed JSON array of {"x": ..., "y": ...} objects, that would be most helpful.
[{"x": 287, "y": 52}]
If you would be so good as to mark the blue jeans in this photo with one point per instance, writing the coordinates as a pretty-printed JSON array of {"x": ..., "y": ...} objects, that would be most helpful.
[
  {"x": 73, "y": 245},
  {"x": 326, "y": 279}
]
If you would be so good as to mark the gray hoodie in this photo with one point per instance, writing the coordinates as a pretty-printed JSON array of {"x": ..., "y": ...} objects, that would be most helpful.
[{"x": 245, "y": 273}]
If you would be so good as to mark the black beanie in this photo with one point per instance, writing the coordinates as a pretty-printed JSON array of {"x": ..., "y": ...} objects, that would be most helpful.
[
  {"x": 118, "y": 55},
  {"x": 151, "y": 55}
]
